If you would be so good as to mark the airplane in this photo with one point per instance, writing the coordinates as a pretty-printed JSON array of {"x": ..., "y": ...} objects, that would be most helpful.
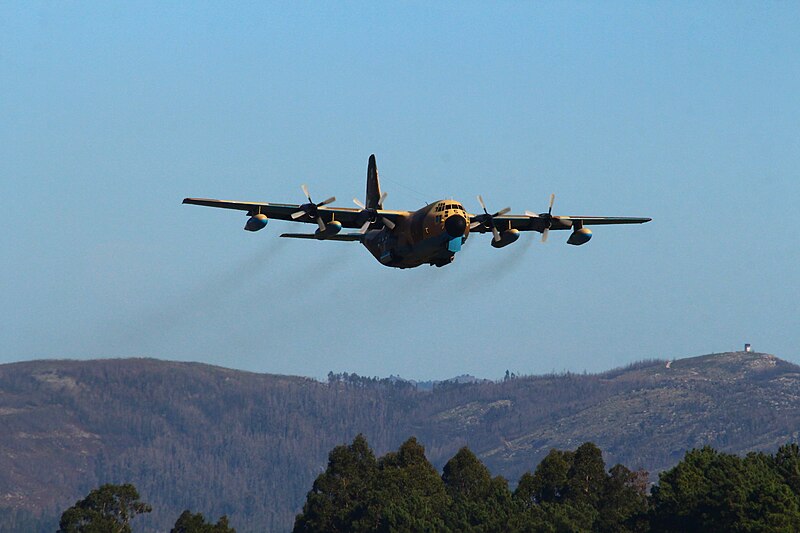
[{"x": 432, "y": 235}]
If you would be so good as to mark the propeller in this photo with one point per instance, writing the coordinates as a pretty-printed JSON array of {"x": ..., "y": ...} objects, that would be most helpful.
[
  {"x": 373, "y": 215},
  {"x": 488, "y": 220},
  {"x": 311, "y": 209},
  {"x": 547, "y": 218}
]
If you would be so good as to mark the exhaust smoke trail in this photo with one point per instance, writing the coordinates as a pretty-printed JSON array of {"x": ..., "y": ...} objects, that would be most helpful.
[
  {"x": 500, "y": 264},
  {"x": 156, "y": 326}
]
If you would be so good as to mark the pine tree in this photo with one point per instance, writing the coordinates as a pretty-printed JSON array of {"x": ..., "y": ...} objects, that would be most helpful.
[
  {"x": 339, "y": 496},
  {"x": 786, "y": 462},
  {"x": 712, "y": 491},
  {"x": 623, "y": 504},
  {"x": 548, "y": 483},
  {"x": 586, "y": 476},
  {"x": 480, "y": 503},
  {"x": 409, "y": 495}
]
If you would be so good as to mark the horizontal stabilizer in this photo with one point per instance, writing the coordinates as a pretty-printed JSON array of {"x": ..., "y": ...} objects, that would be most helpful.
[{"x": 357, "y": 237}]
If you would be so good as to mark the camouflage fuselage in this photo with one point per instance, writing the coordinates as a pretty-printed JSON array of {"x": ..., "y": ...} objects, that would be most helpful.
[{"x": 431, "y": 235}]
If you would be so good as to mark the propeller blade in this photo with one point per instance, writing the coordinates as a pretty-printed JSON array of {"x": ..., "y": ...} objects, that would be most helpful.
[
  {"x": 545, "y": 233},
  {"x": 382, "y": 198},
  {"x": 305, "y": 191},
  {"x": 552, "y": 199},
  {"x": 321, "y": 224},
  {"x": 328, "y": 201},
  {"x": 530, "y": 214},
  {"x": 297, "y": 214},
  {"x": 487, "y": 220},
  {"x": 388, "y": 223},
  {"x": 358, "y": 203},
  {"x": 365, "y": 227}
]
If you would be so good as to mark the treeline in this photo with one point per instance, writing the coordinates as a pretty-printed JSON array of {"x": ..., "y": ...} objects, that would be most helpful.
[
  {"x": 364, "y": 382},
  {"x": 111, "y": 508},
  {"x": 568, "y": 491}
]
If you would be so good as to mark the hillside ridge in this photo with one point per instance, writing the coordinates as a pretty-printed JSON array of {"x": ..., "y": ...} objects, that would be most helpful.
[{"x": 224, "y": 441}]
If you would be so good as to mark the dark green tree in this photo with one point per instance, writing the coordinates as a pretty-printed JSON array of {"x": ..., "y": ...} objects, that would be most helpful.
[
  {"x": 563, "y": 518},
  {"x": 338, "y": 499},
  {"x": 570, "y": 491},
  {"x": 712, "y": 491},
  {"x": 786, "y": 463},
  {"x": 559, "y": 496},
  {"x": 107, "y": 509},
  {"x": 687, "y": 497},
  {"x": 196, "y": 523},
  {"x": 548, "y": 483},
  {"x": 409, "y": 494},
  {"x": 771, "y": 505},
  {"x": 623, "y": 503},
  {"x": 586, "y": 478},
  {"x": 465, "y": 476},
  {"x": 480, "y": 503}
]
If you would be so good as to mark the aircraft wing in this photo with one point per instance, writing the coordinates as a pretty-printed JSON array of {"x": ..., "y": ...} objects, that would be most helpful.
[
  {"x": 349, "y": 217},
  {"x": 352, "y": 237},
  {"x": 539, "y": 222}
]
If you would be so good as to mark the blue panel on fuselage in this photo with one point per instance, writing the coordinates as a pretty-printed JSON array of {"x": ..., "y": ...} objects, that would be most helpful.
[{"x": 454, "y": 245}]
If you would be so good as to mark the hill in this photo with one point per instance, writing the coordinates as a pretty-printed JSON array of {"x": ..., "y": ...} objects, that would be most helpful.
[{"x": 248, "y": 445}]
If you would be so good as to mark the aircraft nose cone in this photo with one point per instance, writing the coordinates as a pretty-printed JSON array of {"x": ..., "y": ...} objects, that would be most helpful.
[{"x": 455, "y": 225}]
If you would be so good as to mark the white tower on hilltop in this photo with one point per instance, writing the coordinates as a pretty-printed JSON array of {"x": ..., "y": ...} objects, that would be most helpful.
[{"x": 747, "y": 348}]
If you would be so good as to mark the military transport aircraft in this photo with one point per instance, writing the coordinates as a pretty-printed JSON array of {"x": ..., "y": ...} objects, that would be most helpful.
[{"x": 405, "y": 239}]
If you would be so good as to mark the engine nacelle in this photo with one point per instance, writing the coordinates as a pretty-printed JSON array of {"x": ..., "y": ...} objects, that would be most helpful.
[
  {"x": 580, "y": 236},
  {"x": 331, "y": 228},
  {"x": 256, "y": 222},
  {"x": 506, "y": 238}
]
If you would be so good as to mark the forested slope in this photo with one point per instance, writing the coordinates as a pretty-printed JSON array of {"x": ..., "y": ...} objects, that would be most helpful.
[{"x": 220, "y": 441}]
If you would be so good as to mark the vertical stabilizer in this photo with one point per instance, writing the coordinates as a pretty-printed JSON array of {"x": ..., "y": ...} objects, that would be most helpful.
[{"x": 373, "y": 185}]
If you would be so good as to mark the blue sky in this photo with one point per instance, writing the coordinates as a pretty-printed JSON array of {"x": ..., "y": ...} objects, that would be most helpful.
[{"x": 112, "y": 113}]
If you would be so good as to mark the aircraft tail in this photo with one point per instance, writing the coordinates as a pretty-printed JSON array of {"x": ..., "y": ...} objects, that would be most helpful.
[{"x": 373, "y": 185}]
